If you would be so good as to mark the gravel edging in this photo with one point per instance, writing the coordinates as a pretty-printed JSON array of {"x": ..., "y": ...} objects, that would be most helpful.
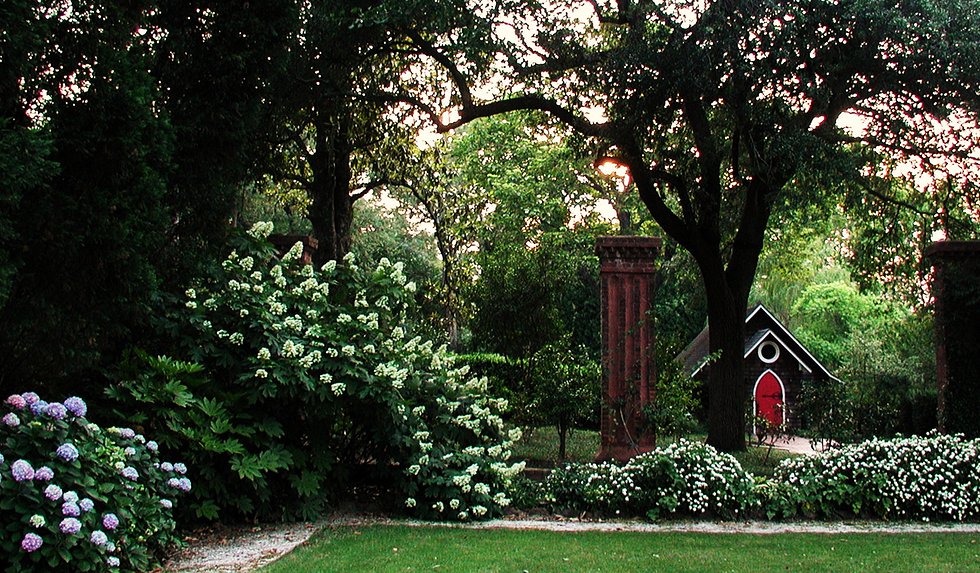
[
  {"x": 712, "y": 527},
  {"x": 241, "y": 550}
]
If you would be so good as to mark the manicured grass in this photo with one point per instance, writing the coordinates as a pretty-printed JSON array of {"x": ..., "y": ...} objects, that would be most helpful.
[
  {"x": 394, "y": 548},
  {"x": 540, "y": 447}
]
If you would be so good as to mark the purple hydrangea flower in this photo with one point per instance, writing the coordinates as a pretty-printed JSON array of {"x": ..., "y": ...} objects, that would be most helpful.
[
  {"x": 184, "y": 485},
  {"x": 173, "y": 482},
  {"x": 99, "y": 538},
  {"x": 52, "y": 492},
  {"x": 76, "y": 406},
  {"x": 130, "y": 473},
  {"x": 152, "y": 446},
  {"x": 30, "y": 398},
  {"x": 56, "y": 410},
  {"x": 130, "y": 451},
  {"x": 86, "y": 505},
  {"x": 71, "y": 497},
  {"x": 67, "y": 452},
  {"x": 180, "y": 468},
  {"x": 110, "y": 547},
  {"x": 166, "y": 503},
  {"x": 17, "y": 401},
  {"x": 11, "y": 420},
  {"x": 31, "y": 542},
  {"x": 38, "y": 408},
  {"x": 167, "y": 467},
  {"x": 112, "y": 561},
  {"x": 127, "y": 434},
  {"x": 70, "y": 526},
  {"x": 70, "y": 509},
  {"x": 44, "y": 473},
  {"x": 110, "y": 521},
  {"x": 22, "y": 470}
]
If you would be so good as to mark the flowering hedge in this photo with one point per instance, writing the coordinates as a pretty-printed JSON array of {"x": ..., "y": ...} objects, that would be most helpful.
[
  {"x": 308, "y": 376},
  {"x": 77, "y": 497},
  {"x": 931, "y": 477},
  {"x": 682, "y": 479}
]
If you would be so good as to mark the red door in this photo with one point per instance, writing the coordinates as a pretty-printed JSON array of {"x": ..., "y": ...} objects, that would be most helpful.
[{"x": 769, "y": 398}]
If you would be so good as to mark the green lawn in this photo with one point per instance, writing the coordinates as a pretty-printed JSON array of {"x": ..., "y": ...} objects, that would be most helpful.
[
  {"x": 394, "y": 548},
  {"x": 540, "y": 447}
]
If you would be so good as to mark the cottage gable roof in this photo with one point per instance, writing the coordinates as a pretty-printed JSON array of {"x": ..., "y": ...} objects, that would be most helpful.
[{"x": 760, "y": 325}]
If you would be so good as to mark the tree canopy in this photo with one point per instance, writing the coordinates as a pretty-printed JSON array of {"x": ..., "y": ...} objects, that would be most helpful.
[{"x": 723, "y": 110}]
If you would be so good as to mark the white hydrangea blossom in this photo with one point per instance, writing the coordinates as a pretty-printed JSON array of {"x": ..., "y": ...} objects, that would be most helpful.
[{"x": 261, "y": 230}]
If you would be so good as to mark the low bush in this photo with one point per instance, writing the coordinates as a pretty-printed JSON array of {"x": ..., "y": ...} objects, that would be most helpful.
[
  {"x": 295, "y": 381},
  {"x": 932, "y": 477},
  {"x": 77, "y": 497},
  {"x": 682, "y": 479}
]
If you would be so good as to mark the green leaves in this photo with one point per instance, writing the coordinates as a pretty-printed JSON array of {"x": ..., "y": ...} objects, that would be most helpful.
[{"x": 252, "y": 466}]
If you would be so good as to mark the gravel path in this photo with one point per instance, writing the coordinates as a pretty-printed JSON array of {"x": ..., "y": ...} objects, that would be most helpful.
[
  {"x": 239, "y": 550},
  {"x": 246, "y": 549}
]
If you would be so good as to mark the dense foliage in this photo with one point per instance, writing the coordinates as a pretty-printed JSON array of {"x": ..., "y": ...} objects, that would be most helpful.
[
  {"x": 78, "y": 497},
  {"x": 309, "y": 379},
  {"x": 881, "y": 350},
  {"x": 933, "y": 477},
  {"x": 682, "y": 479}
]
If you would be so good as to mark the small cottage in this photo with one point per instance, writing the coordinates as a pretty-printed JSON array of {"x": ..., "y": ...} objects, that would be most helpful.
[{"x": 776, "y": 366}]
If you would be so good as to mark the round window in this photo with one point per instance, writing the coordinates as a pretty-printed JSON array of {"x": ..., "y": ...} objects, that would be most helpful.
[{"x": 768, "y": 352}]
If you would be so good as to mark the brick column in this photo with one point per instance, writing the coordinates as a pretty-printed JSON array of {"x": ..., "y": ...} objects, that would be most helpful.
[
  {"x": 626, "y": 276},
  {"x": 956, "y": 290}
]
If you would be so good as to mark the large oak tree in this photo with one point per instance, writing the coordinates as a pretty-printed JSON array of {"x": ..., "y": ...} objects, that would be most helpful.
[{"x": 726, "y": 110}]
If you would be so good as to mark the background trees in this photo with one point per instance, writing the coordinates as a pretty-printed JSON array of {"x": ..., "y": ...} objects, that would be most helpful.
[{"x": 722, "y": 110}]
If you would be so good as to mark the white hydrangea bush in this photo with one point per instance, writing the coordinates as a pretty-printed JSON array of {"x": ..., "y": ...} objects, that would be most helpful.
[
  {"x": 328, "y": 353},
  {"x": 682, "y": 479},
  {"x": 936, "y": 477}
]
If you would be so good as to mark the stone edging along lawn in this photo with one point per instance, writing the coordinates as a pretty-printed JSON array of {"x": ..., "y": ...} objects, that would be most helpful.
[{"x": 247, "y": 548}]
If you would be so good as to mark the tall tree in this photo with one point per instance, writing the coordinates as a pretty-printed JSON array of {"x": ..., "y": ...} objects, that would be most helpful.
[
  {"x": 342, "y": 133},
  {"x": 717, "y": 106},
  {"x": 122, "y": 130}
]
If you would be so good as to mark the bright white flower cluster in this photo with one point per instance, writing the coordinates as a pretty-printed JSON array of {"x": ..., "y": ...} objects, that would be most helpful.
[
  {"x": 931, "y": 477},
  {"x": 286, "y": 325},
  {"x": 684, "y": 478}
]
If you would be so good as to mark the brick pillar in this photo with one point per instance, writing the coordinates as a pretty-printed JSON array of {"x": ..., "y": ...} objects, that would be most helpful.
[
  {"x": 626, "y": 277},
  {"x": 956, "y": 290}
]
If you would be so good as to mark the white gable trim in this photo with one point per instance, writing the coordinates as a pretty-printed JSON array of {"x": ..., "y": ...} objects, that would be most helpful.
[
  {"x": 791, "y": 337},
  {"x": 782, "y": 344}
]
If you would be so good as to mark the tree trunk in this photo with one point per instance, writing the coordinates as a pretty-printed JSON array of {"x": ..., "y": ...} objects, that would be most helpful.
[
  {"x": 331, "y": 205},
  {"x": 726, "y": 388},
  {"x": 562, "y": 440}
]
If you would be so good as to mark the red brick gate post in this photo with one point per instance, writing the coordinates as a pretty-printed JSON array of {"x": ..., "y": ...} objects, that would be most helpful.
[{"x": 626, "y": 277}]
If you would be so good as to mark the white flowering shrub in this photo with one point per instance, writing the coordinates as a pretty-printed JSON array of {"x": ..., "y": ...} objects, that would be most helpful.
[
  {"x": 78, "y": 497},
  {"x": 932, "y": 477},
  {"x": 683, "y": 479},
  {"x": 312, "y": 375}
]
